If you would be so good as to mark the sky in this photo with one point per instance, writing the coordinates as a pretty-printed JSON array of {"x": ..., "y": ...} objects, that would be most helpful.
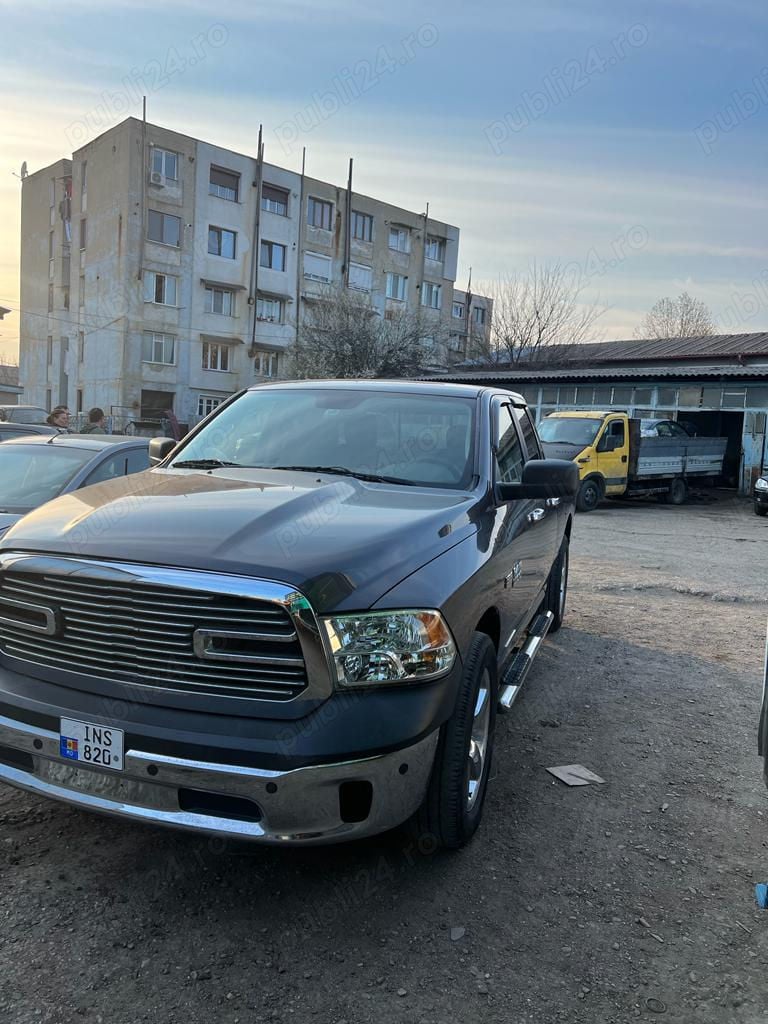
[{"x": 626, "y": 141}]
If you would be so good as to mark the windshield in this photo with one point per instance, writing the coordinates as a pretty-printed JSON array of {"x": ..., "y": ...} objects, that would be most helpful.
[
  {"x": 33, "y": 474},
  {"x": 569, "y": 430},
  {"x": 413, "y": 439}
]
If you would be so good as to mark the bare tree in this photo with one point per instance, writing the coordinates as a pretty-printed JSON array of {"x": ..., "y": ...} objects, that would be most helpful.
[
  {"x": 540, "y": 315},
  {"x": 683, "y": 317},
  {"x": 343, "y": 336}
]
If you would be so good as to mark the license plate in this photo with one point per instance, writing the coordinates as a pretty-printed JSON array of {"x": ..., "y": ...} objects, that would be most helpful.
[{"x": 92, "y": 744}]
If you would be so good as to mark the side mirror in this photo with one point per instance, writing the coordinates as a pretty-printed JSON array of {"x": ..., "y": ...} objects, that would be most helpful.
[
  {"x": 159, "y": 449},
  {"x": 543, "y": 478}
]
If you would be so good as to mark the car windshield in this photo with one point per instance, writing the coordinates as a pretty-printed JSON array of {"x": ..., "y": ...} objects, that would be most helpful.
[
  {"x": 569, "y": 430},
  {"x": 33, "y": 474},
  {"x": 404, "y": 438}
]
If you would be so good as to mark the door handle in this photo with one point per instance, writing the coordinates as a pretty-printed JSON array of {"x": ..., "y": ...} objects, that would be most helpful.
[
  {"x": 536, "y": 515},
  {"x": 623, "y": 458}
]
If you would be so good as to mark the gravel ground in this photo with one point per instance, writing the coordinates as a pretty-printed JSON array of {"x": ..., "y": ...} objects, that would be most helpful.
[{"x": 608, "y": 903}]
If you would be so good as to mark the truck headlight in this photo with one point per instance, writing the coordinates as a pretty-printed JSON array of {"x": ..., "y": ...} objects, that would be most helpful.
[
  {"x": 389, "y": 647},
  {"x": 762, "y": 484}
]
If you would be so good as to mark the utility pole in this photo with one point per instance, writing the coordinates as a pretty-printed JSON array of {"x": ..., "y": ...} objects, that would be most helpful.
[
  {"x": 256, "y": 246},
  {"x": 299, "y": 254},
  {"x": 468, "y": 317},
  {"x": 348, "y": 228},
  {"x": 143, "y": 190}
]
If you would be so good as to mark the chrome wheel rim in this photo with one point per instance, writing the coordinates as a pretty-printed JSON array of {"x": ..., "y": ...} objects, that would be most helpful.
[{"x": 478, "y": 741}]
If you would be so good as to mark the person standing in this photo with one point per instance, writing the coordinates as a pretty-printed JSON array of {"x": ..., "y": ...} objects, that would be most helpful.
[
  {"x": 59, "y": 418},
  {"x": 97, "y": 422}
]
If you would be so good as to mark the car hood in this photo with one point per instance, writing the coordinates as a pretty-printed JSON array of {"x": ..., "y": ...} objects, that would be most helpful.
[
  {"x": 562, "y": 450},
  {"x": 341, "y": 541},
  {"x": 7, "y": 519}
]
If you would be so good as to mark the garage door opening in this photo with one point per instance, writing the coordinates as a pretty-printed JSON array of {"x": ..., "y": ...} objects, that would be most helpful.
[{"x": 720, "y": 424}]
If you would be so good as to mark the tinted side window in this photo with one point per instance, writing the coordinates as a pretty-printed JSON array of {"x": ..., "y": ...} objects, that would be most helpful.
[
  {"x": 509, "y": 451},
  {"x": 110, "y": 469},
  {"x": 138, "y": 460},
  {"x": 528, "y": 431}
]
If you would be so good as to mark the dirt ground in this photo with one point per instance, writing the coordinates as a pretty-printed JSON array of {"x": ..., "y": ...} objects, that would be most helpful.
[{"x": 608, "y": 903}]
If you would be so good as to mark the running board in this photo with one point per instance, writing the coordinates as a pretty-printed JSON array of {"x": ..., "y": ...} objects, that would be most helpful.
[{"x": 514, "y": 677}]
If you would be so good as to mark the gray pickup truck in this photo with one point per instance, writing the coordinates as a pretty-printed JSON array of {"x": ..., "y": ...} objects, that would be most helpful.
[{"x": 299, "y": 625}]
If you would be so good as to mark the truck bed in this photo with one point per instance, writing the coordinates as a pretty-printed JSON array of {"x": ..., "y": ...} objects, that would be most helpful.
[{"x": 676, "y": 456}]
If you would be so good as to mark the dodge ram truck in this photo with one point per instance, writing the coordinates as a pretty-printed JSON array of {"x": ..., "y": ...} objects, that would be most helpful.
[{"x": 297, "y": 627}]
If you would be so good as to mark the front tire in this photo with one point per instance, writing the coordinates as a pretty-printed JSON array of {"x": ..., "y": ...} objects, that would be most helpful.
[
  {"x": 589, "y": 496},
  {"x": 453, "y": 807},
  {"x": 761, "y": 510},
  {"x": 557, "y": 587}
]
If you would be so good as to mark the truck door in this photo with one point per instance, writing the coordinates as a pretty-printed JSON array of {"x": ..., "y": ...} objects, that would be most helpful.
[
  {"x": 521, "y": 531},
  {"x": 613, "y": 454}
]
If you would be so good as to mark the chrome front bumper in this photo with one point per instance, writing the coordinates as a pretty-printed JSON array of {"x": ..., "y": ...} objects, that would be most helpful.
[{"x": 299, "y": 807}]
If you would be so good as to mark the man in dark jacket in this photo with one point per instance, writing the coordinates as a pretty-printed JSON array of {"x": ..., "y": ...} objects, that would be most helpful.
[{"x": 96, "y": 422}]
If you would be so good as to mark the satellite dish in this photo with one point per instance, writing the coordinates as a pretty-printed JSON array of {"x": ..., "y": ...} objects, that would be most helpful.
[{"x": 24, "y": 171}]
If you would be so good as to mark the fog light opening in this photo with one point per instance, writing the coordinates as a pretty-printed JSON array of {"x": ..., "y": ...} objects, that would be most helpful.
[{"x": 355, "y": 799}]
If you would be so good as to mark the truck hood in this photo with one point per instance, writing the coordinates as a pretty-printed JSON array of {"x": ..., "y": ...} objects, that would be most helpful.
[
  {"x": 562, "y": 450},
  {"x": 342, "y": 541},
  {"x": 7, "y": 519}
]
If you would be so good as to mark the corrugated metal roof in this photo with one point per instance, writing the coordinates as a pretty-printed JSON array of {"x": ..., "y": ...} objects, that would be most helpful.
[
  {"x": 733, "y": 345},
  {"x": 689, "y": 372}
]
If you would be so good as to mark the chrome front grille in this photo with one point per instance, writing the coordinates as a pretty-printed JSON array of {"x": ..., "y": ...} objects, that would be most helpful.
[{"x": 131, "y": 628}]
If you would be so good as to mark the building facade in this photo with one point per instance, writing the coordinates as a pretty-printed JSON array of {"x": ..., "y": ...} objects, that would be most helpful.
[
  {"x": 161, "y": 273},
  {"x": 718, "y": 386}
]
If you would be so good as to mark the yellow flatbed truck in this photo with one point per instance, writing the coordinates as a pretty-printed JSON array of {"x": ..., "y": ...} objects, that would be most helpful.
[{"x": 619, "y": 455}]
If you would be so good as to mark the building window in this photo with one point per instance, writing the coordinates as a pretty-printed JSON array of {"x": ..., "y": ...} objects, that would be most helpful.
[
  {"x": 273, "y": 255},
  {"x": 224, "y": 184},
  {"x": 360, "y": 277},
  {"x": 269, "y": 309},
  {"x": 82, "y": 291},
  {"x": 49, "y": 350},
  {"x": 478, "y": 315},
  {"x": 458, "y": 310},
  {"x": 397, "y": 287},
  {"x": 65, "y": 297},
  {"x": 159, "y": 348},
  {"x": 79, "y": 402},
  {"x": 50, "y": 245},
  {"x": 219, "y": 300},
  {"x": 166, "y": 163},
  {"x": 80, "y": 346},
  {"x": 435, "y": 249},
  {"x": 84, "y": 177},
  {"x": 317, "y": 267},
  {"x": 265, "y": 364},
  {"x": 207, "y": 403},
  {"x": 431, "y": 294},
  {"x": 160, "y": 288},
  {"x": 274, "y": 200},
  {"x": 48, "y": 398},
  {"x": 362, "y": 226},
  {"x": 156, "y": 404},
  {"x": 83, "y": 233},
  {"x": 400, "y": 239},
  {"x": 319, "y": 213},
  {"x": 164, "y": 228},
  {"x": 216, "y": 357},
  {"x": 50, "y": 298},
  {"x": 222, "y": 242}
]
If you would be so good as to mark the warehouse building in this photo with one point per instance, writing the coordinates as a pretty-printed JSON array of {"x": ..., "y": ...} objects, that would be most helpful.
[{"x": 718, "y": 386}]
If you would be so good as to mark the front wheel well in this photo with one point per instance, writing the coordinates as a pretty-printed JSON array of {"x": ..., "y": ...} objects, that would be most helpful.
[{"x": 490, "y": 624}]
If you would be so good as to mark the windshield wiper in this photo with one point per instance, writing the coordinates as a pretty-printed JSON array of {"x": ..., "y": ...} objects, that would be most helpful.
[
  {"x": 202, "y": 464},
  {"x": 376, "y": 478}
]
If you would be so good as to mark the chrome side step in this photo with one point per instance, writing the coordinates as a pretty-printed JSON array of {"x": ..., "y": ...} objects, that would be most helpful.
[{"x": 514, "y": 677}]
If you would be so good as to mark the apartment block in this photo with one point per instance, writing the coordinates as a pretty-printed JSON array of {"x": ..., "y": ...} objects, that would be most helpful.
[
  {"x": 161, "y": 273},
  {"x": 470, "y": 330}
]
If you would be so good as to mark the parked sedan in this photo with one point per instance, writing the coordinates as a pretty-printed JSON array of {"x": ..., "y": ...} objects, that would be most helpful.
[
  {"x": 760, "y": 495},
  {"x": 10, "y": 430},
  {"x": 22, "y": 414},
  {"x": 37, "y": 468}
]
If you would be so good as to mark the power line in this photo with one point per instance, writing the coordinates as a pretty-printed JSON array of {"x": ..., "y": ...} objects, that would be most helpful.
[{"x": 118, "y": 330}]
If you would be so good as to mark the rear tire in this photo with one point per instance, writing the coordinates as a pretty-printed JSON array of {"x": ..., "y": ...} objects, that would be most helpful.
[
  {"x": 677, "y": 493},
  {"x": 453, "y": 806},
  {"x": 557, "y": 587},
  {"x": 589, "y": 496}
]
